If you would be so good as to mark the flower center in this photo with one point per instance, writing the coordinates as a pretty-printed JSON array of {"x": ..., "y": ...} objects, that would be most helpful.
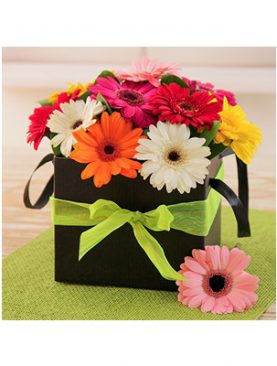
[
  {"x": 130, "y": 96},
  {"x": 108, "y": 151},
  {"x": 174, "y": 156},
  {"x": 185, "y": 105},
  {"x": 77, "y": 124},
  {"x": 217, "y": 284}
]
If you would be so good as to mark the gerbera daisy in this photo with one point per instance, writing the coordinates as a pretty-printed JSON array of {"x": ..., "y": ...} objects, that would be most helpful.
[
  {"x": 73, "y": 92},
  {"x": 173, "y": 159},
  {"x": 37, "y": 128},
  {"x": 107, "y": 147},
  {"x": 237, "y": 133},
  {"x": 130, "y": 97},
  {"x": 72, "y": 116},
  {"x": 176, "y": 104},
  {"x": 216, "y": 281},
  {"x": 197, "y": 85},
  {"x": 147, "y": 70},
  {"x": 219, "y": 94}
]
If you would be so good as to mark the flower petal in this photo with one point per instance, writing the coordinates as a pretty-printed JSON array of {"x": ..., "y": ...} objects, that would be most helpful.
[
  {"x": 195, "y": 301},
  {"x": 238, "y": 261},
  {"x": 246, "y": 281},
  {"x": 207, "y": 304},
  {"x": 102, "y": 174},
  {"x": 213, "y": 256},
  {"x": 222, "y": 306},
  {"x": 194, "y": 266}
]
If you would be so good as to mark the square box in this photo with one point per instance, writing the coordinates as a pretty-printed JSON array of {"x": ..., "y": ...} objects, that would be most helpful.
[{"x": 119, "y": 260}]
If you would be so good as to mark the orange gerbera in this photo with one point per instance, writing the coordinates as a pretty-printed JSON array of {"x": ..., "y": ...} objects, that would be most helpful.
[{"x": 108, "y": 147}]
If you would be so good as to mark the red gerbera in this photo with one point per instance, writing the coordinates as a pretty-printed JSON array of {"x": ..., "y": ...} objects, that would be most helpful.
[
  {"x": 40, "y": 116},
  {"x": 176, "y": 104},
  {"x": 64, "y": 97},
  {"x": 37, "y": 127}
]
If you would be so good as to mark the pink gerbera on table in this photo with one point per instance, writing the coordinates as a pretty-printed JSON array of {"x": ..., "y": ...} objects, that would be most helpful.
[
  {"x": 132, "y": 99},
  {"x": 177, "y": 104},
  {"x": 216, "y": 281},
  {"x": 148, "y": 70}
]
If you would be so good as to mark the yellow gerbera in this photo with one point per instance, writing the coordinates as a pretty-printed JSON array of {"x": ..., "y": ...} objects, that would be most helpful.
[
  {"x": 83, "y": 88},
  {"x": 237, "y": 132}
]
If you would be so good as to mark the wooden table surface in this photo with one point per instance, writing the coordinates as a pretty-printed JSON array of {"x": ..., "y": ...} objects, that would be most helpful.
[{"x": 20, "y": 225}]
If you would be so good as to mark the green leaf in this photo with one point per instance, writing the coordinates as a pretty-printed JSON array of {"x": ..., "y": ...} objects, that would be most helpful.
[
  {"x": 44, "y": 102},
  {"x": 101, "y": 99},
  {"x": 56, "y": 150},
  {"x": 84, "y": 96},
  {"x": 168, "y": 79},
  {"x": 193, "y": 131},
  {"x": 216, "y": 149},
  {"x": 210, "y": 134},
  {"x": 107, "y": 73}
]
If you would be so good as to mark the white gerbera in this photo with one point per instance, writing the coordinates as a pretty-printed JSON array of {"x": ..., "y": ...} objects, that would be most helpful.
[
  {"x": 172, "y": 158},
  {"x": 73, "y": 115}
]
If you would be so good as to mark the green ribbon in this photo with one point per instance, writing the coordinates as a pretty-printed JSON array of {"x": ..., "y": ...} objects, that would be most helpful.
[{"x": 104, "y": 217}]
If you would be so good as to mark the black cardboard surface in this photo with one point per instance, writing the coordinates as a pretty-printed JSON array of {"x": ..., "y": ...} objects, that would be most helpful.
[{"x": 119, "y": 260}]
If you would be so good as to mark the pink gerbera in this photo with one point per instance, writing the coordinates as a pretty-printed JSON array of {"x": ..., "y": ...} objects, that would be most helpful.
[
  {"x": 147, "y": 70},
  {"x": 176, "y": 104},
  {"x": 129, "y": 97},
  {"x": 197, "y": 85},
  {"x": 37, "y": 127},
  {"x": 219, "y": 94},
  {"x": 216, "y": 281}
]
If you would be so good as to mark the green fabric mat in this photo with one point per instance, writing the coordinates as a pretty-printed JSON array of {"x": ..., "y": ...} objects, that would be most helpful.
[{"x": 29, "y": 291}]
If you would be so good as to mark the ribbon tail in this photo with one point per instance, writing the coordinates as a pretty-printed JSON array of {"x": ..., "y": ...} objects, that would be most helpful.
[
  {"x": 241, "y": 212},
  {"x": 155, "y": 252},
  {"x": 91, "y": 237}
]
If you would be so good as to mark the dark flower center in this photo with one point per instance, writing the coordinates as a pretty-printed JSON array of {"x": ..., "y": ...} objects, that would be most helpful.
[
  {"x": 130, "y": 96},
  {"x": 217, "y": 283},
  {"x": 185, "y": 105},
  {"x": 109, "y": 149},
  {"x": 77, "y": 124},
  {"x": 173, "y": 156}
]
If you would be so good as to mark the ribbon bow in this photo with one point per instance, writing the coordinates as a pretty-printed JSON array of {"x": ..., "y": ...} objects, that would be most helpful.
[{"x": 107, "y": 216}]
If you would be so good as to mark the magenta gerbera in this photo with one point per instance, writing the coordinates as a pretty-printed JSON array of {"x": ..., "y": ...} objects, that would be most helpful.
[
  {"x": 219, "y": 94},
  {"x": 176, "y": 104},
  {"x": 132, "y": 99}
]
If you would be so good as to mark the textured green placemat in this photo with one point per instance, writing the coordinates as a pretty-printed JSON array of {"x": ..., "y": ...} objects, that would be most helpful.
[{"x": 29, "y": 291}]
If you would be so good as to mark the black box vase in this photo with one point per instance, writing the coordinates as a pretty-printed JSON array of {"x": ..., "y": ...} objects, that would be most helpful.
[{"x": 119, "y": 260}]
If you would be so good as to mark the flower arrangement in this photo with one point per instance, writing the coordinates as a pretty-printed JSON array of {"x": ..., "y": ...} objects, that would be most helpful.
[
  {"x": 147, "y": 120},
  {"x": 150, "y": 120}
]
